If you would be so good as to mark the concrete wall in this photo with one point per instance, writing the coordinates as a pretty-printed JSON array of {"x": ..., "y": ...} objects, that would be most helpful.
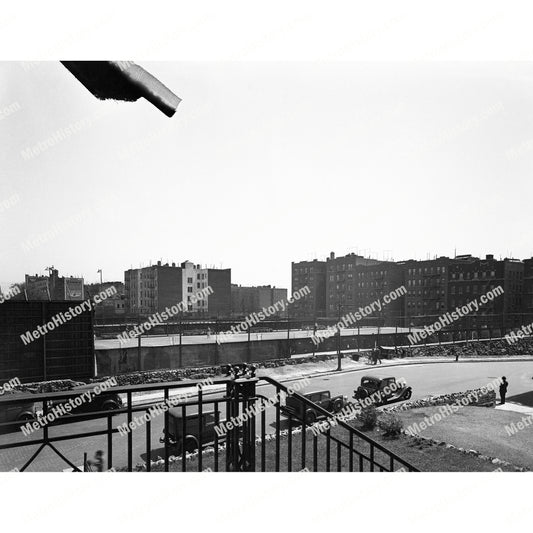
[{"x": 122, "y": 360}]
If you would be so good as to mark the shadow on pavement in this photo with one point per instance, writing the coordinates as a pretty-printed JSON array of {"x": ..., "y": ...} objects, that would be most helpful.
[{"x": 525, "y": 398}]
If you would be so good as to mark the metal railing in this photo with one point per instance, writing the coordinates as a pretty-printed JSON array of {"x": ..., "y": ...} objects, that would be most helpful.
[
  {"x": 261, "y": 441},
  {"x": 354, "y": 450}
]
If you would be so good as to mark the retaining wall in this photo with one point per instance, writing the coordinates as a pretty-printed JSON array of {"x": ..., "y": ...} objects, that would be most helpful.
[{"x": 121, "y": 360}]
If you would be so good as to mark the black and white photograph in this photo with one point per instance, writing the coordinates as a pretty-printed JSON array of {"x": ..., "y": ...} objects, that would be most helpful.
[{"x": 233, "y": 249}]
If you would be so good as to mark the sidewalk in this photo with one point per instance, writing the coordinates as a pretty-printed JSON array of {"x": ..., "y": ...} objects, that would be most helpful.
[
  {"x": 324, "y": 368},
  {"x": 516, "y": 407}
]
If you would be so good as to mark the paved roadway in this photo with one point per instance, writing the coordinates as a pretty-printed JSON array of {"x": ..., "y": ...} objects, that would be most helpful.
[
  {"x": 426, "y": 379},
  {"x": 170, "y": 340}
]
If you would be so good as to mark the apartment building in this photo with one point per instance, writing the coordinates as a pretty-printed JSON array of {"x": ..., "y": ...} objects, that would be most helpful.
[
  {"x": 527, "y": 293},
  {"x": 219, "y": 302},
  {"x": 54, "y": 287},
  {"x": 114, "y": 306},
  {"x": 310, "y": 274},
  {"x": 427, "y": 287},
  {"x": 344, "y": 285},
  {"x": 151, "y": 289},
  {"x": 246, "y": 300},
  {"x": 433, "y": 287},
  {"x": 471, "y": 277}
]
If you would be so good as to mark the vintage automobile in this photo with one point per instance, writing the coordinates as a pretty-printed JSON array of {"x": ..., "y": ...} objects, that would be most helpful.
[
  {"x": 191, "y": 439},
  {"x": 18, "y": 413},
  {"x": 380, "y": 391},
  {"x": 106, "y": 401},
  {"x": 297, "y": 409}
]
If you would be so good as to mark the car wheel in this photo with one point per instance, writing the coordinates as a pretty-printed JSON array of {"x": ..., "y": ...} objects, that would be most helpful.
[
  {"x": 337, "y": 405},
  {"x": 310, "y": 417},
  {"x": 109, "y": 406},
  {"x": 408, "y": 394},
  {"x": 191, "y": 444},
  {"x": 26, "y": 417}
]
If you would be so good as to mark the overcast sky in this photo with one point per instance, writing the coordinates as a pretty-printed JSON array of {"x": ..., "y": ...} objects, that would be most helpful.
[{"x": 264, "y": 164}]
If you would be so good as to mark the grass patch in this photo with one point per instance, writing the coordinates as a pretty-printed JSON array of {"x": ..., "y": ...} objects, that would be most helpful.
[
  {"x": 421, "y": 454},
  {"x": 478, "y": 428}
]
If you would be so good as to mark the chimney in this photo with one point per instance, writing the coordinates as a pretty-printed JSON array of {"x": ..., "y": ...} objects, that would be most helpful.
[
  {"x": 159, "y": 263},
  {"x": 489, "y": 257},
  {"x": 332, "y": 255},
  {"x": 173, "y": 264}
]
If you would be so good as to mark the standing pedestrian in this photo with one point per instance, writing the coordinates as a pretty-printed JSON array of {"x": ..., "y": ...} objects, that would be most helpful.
[
  {"x": 503, "y": 389},
  {"x": 456, "y": 353}
]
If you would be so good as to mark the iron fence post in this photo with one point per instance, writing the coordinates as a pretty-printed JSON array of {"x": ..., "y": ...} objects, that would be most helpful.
[{"x": 240, "y": 438}]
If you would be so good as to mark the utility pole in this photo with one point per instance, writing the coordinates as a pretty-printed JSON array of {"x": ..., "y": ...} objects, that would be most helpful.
[
  {"x": 339, "y": 355},
  {"x": 288, "y": 333},
  {"x": 100, "y": 272}
]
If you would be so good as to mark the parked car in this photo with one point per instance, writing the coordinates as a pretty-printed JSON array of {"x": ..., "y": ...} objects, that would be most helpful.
[
  {"x": 191, "y": 439},
  {"x": 106, "y": 401},
  {"x": 301, "y": 411},
  {"x": 17, "y": 412},
  {"x": 382, "y": 390}
]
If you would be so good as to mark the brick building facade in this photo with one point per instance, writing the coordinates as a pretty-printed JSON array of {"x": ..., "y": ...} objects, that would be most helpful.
[
  {"x": 313, "y": 275},
  {"x": 151, "y": 289}
]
